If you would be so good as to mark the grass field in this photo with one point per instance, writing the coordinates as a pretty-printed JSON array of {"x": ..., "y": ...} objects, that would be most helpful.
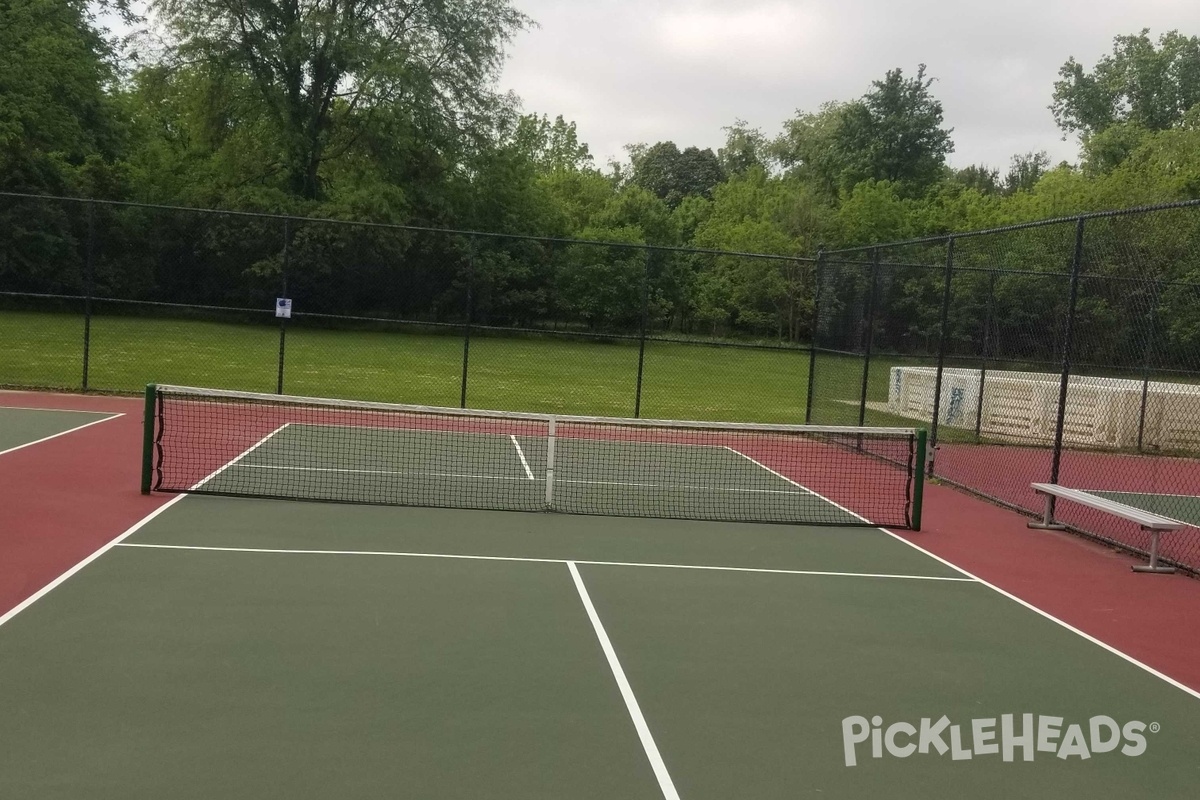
[{"x": 543, "y": 374}]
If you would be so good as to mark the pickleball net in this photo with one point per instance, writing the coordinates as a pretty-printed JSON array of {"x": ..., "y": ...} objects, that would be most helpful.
[{"x": 244, "y": 444}]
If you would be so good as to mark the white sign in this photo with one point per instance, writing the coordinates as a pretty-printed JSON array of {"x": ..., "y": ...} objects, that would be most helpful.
[
  {"x": 992, "y": 736},
  {"x": 283, "y": 307}
]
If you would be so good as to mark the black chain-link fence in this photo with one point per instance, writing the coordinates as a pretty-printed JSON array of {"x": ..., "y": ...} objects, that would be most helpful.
[
  {"x": 1063, "y": 351},
  {"x": 1059, "y": 352},
  {"x": 107, "y": 296}
]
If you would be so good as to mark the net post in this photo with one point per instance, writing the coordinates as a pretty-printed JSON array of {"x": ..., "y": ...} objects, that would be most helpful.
[
  {"x": 918, "y": 495},
  {"x": 148, "y": 437},
  {"x": 550, "y": 465}
]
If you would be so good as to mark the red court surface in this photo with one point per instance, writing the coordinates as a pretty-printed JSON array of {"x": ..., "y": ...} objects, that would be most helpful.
[{"x": 71, "y": 495}]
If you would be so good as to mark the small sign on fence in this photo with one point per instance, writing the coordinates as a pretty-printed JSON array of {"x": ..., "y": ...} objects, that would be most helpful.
[{"x": 283, "y": 307}]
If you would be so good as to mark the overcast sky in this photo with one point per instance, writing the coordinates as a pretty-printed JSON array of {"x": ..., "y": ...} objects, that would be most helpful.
[{"x": 654, "y": 70}]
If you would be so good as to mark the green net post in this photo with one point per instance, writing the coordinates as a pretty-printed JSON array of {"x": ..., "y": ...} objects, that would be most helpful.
[
  {"x": 148, "y": 437},
  {"x": 918, "y": 495}
]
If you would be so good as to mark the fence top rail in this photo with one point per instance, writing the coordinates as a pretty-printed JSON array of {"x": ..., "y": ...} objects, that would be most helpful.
[
  {"x": 653, "y": 248},
  {"x": 1043, "y": 223}
]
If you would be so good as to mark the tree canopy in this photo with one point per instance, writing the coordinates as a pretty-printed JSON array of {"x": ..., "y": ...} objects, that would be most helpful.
[
  {"x": 388, "y": 111},
  {"x": 1148, "y": 85}
]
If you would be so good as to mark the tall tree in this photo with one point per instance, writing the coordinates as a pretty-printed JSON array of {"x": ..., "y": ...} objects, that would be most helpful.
[
  {"x": 55, "y": 114},
  {"x": 1141, "y": 83},
  {"x": 807, "y": 150},
  {"x": 895, "y": 134},
  {"x": 745, "y": 147},
  {"x": 672, "y": 174},
  {"x": 321, "y": 68},
  {"x": 1025, "y": 171},
  {"x": 980, "y": 177},
  {"x": 552, "y": 146}
]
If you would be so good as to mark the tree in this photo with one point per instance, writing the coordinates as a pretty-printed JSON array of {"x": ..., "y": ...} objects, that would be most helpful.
[
  {"x": 671, "y": 174},
  {"x": 807, "y": 148},
  {"x": 324, "y": 69},
  {"x": 60, "y": 133},
  {"x": 1139, "y": 83},
  {"x": 980, "y": 177},
  {"x": 894, "y": 134},
  {"x": 55, "y": 114},
  {"x": 745, "y": 147},
  {"x": 552, "y": 146},
  {"x": 1025, "y": 171}
]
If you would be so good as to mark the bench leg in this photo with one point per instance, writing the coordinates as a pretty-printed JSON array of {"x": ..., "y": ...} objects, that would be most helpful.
[
  {"x": 1048, "y": 523},
  {"x": 1153, "y": 566}
]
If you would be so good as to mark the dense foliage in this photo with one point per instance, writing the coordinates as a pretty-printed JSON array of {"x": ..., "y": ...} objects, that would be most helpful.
[{"x": 386, "y": 112}]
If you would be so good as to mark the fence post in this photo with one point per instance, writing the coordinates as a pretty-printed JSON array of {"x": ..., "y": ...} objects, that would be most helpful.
[
  {"x": 1068, "y": 340},
  {"x": 1146, "y": 362},
  {"x": 941, "y": 359},
  {"x": 88, "y": 288},
  {"x": 862, "y": 403},
  {"x": 283, "y": 288},
  {"x": 987, "y": 349},
  {"x": 462, "y": 403},
  {"x": 812, "y": 339},
  {"x": 637, "y": 401}
]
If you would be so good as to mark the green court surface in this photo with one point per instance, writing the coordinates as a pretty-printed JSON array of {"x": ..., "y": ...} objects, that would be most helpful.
[
  {"x": 496, "y": 471},
  {"x": 1184, "y": 508},
  {"x": 242, "y": 648},
  {"x": 23, "y": 426}
]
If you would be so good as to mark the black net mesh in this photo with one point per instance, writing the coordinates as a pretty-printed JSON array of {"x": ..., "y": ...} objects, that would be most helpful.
[{"x": 305, "y": 449}]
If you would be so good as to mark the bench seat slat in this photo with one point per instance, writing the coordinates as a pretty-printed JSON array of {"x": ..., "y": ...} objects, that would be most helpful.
[{"x": 1144, "y": 518}]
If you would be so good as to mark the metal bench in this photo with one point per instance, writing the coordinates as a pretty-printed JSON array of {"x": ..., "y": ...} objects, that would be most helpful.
[{"x": 1155, "y": 524}]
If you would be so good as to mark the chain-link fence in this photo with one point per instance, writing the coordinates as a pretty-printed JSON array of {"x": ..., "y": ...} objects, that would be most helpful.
[
  {"x": 1063, "y": 351},
  {"x": 105, "y": 296}
]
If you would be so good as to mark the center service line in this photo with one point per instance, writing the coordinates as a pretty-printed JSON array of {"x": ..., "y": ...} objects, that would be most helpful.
[
  {"x": 639, "y": 722},
  {"x": 521, "y": 453}
]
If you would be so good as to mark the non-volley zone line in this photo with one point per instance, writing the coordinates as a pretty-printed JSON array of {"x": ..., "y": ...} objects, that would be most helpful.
[{"x": 532, "y": 560}]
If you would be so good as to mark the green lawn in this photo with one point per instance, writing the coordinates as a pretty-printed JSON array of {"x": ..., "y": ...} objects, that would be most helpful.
[{"x": 529, "y": 374}]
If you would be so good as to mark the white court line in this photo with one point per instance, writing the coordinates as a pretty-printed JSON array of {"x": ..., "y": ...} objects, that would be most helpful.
[
  {"x": 1047, "y": 615},
  {"x": 1144, "y": 494},
  {"x": 38, "y": 595},
  {"x": 345, "y": 471},
  {"x": 631, "y": 704},
  {"x": 521, "y": 453},
  {"x": 63, "y": 410},
  {"x": 530, "y": 560},
  {"x": 56, "y": 435},
  {"x": 760, "y": 465}
]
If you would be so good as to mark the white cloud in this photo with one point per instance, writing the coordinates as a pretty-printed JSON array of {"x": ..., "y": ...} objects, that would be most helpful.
[
  {"x": 743, "y": 37},
  {"x": 650, "y": 70}
]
